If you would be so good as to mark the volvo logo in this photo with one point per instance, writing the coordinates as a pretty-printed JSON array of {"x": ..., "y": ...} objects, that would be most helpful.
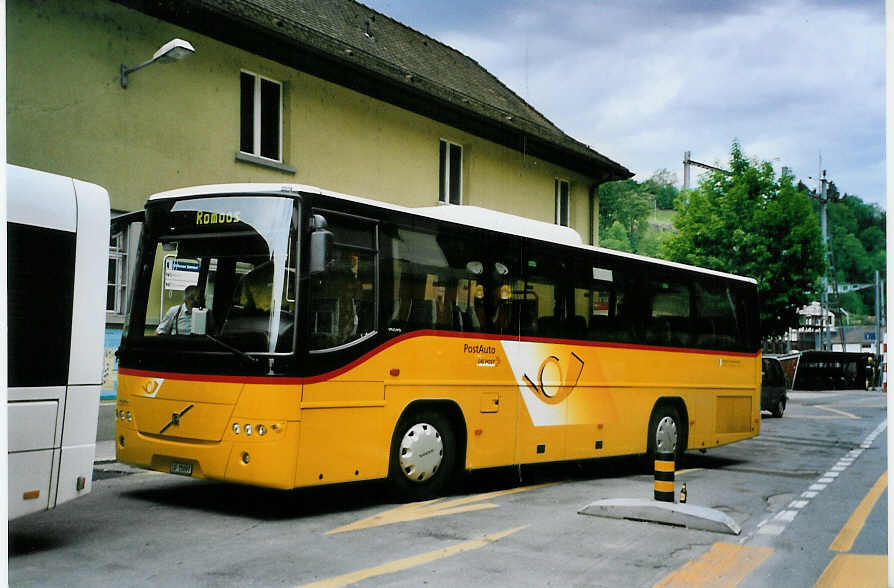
[{"x": 175, "y": 419}]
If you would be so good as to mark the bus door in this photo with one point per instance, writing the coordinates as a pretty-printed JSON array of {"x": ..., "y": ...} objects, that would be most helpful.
[
  {"x": 343, "y": 400},
  {"x": 544, "y": 358}
]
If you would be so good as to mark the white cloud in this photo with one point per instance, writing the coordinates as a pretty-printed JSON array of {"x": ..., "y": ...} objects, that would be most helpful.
[{"x": 641, "y": 82}]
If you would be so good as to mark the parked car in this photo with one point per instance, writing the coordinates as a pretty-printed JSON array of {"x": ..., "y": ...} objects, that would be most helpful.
[{"x": 773, "y": 386}]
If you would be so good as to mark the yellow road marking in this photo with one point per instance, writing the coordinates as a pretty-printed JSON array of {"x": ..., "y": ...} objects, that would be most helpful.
[
  {"x": 409, "y": 562},
  {"x": 849, "y": 569},
  {"x": 725, "y": 565},
  {"x": 689, "y": 471},
  {"x": 848, "y": 534},
  {"x": 836, "y": 411},
  {"x": 431, "y": 508}
]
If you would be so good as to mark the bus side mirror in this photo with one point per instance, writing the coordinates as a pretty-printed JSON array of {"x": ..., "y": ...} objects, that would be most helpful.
[{"x": 320, "y": 245}]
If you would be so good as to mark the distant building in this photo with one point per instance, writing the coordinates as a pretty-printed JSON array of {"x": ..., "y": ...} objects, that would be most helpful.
[{"x": 857, "y": 338}]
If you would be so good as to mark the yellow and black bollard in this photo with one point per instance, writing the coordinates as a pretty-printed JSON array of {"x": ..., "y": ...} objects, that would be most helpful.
[{"x": 664, "y": 476}]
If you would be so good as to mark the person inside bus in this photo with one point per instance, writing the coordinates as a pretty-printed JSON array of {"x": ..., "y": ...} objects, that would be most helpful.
[
  {"x": 178, "y": 319},
  {"x": 444, "y": 310},
  {"x": 347, "y": 287}
]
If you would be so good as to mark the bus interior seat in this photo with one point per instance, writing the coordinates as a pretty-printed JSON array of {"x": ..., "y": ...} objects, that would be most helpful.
[
  {"x": 468, "y": 323},
  {"x": 547, "y": 326},
  {"x": 421, "y": 315},
  {"x": 576, "y": 327}
]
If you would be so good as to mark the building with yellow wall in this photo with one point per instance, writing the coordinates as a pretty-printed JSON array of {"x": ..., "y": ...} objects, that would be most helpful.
[{"x": 331, "y": 94}]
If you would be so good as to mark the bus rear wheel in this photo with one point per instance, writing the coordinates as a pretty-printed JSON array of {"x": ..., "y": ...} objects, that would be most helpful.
[
  {"x": 666, "y": 432},
  {"x": 423, "y": 455}
]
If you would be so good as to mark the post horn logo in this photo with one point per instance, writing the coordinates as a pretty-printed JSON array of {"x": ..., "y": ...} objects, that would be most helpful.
[
  {"x": 557, "y": 388},
  {"x": 151, "y": 387}
]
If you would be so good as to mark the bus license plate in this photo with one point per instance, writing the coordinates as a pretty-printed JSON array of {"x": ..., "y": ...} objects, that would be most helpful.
[{"x": 182, "y": 469}]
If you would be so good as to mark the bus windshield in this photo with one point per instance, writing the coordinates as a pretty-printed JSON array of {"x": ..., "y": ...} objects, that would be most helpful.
[{"x": 224, "y": 270}]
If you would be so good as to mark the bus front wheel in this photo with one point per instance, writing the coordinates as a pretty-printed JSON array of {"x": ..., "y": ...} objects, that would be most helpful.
[{"x": 423, "y": 455}]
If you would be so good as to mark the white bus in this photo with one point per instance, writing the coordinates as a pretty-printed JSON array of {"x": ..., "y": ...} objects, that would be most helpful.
[{"x": 57, "y": 244}]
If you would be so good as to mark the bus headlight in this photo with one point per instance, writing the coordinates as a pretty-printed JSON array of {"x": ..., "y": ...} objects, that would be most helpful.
[{"x": 129, "y": 416}]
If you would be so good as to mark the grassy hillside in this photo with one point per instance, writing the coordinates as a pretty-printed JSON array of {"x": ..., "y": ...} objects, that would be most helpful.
[{"x": 662, "y": 219}]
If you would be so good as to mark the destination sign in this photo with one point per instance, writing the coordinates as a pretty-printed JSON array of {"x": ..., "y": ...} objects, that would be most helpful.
[{"x": 217, "y": 218}]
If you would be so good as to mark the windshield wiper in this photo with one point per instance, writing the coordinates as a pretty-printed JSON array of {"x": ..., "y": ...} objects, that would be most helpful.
[{"x": 252, "y": 361}]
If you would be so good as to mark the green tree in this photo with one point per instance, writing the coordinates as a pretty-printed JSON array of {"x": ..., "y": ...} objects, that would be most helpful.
[
  {"x": 748, "y": 222},
  {"x": 627, "y": 203},
  {"x": 662, "y": 187},
  {"x": 615, "y": 237},
  {"x": 856, "y": 246},
  {"x": 611, "y": 200}
]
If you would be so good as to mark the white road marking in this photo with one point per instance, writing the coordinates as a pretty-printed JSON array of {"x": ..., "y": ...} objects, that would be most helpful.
[{"x": 782, "y": 518}]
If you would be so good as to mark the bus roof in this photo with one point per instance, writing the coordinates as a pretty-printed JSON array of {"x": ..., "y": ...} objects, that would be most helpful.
[{"x": 474, "y": 216}]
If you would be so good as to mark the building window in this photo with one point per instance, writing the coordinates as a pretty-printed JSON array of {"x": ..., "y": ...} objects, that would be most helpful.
[
  {"x": 451, "y": 173},
  {"x": 117, "y": 284},
  {"x": 562, "y": 190},
  {"x": 260, "y": 117}
]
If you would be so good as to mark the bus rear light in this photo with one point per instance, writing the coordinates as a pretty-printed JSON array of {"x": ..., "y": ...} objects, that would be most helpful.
[{"x": 236, "y": 428}]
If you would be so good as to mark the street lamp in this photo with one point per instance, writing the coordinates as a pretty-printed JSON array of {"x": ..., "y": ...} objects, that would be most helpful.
[{"x": 173, "y": 50}]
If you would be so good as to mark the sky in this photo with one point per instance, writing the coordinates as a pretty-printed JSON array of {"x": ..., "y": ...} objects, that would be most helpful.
[{"x": 643, "y": 81}]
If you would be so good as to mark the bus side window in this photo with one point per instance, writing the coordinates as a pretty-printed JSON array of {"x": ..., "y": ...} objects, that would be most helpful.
[
  {"x": 441, "y": 281},
  {"x": 342, "y": 299},
  {"x": 669, "y": 320},
  {"x": 715, "y": 324},
  {"x": 544, "y": 311}
]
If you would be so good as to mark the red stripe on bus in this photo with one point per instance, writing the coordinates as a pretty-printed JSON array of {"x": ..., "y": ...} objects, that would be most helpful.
[{"x": 422, "y": 333}]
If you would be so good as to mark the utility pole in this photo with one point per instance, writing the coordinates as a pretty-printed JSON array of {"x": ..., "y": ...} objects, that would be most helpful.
[
  {"x": 823, "y": 226},
  {"x": 688, "y": 161},
  {"x": 824, "y": 296},
  {"x": 878, "y": 315}
]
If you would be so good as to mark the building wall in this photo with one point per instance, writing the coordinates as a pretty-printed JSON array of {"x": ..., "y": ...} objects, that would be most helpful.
[{"x": 178, "y": 124}]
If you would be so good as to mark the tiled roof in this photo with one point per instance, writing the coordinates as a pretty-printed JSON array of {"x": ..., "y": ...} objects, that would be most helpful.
[{"x": 362, "y": 48}]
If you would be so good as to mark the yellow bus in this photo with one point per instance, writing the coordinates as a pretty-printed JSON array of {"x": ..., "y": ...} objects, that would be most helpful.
[{"x": 287, "y": 336}]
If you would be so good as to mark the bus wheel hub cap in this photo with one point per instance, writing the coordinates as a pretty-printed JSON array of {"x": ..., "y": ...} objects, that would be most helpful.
[
  {"x": 666, "y": 435},
  {"x": 421, "y": 452}
]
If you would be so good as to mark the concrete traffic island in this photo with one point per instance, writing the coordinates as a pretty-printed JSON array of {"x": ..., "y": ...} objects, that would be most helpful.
[
  {"x": 663, "y": 509},
  {"x": 667, "y": 513}
]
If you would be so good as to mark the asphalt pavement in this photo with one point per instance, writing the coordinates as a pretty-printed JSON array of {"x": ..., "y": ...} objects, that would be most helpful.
[{"x": 810, "y": 496}]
